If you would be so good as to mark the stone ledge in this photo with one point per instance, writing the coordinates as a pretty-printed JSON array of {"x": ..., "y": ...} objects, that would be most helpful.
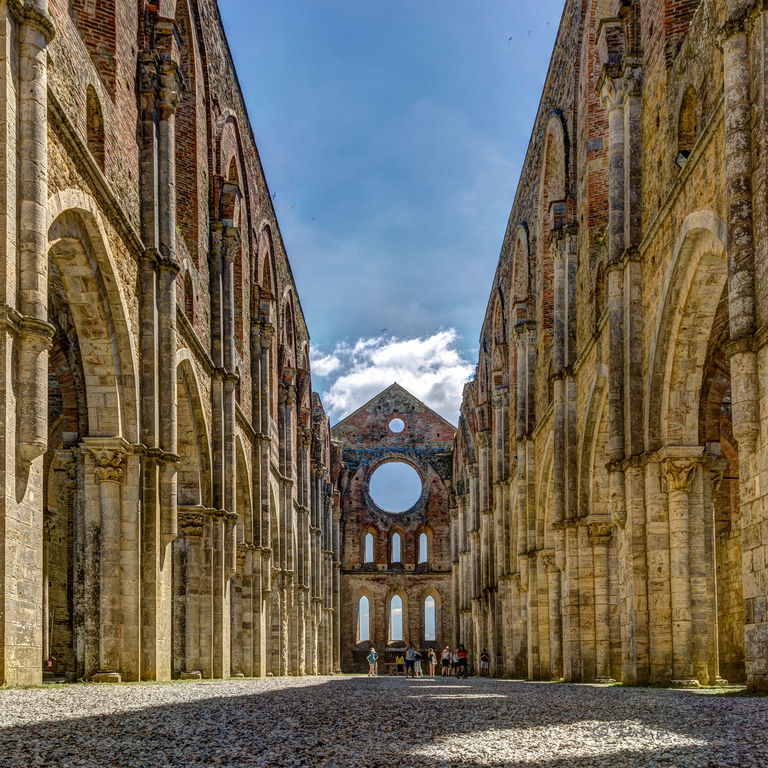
[{"x": 107, "y": 677}]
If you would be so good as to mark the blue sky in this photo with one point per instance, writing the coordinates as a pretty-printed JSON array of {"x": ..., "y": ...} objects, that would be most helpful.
[{"x": 392, "y": 136}]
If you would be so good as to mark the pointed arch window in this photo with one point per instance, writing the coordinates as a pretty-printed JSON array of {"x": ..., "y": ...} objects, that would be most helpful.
[
  {"x": 423, "y": 548},
  {"x": 368, "y": 548},
  {"x": 430, "y": 628},
  {"x": 363, "y": 620},
  {"x": 396, "y": 548},
  {"x": 396, "y": 619}
]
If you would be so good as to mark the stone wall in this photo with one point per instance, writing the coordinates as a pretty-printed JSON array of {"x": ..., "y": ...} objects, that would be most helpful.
[
  {"x": 606, "y": 510},
  {"x": 166, "y": 508}
]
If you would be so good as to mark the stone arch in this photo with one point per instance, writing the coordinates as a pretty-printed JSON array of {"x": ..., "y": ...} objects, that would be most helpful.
[
  {"x": 395, "y": 530},
  {"x": 543, "y": 499},
  {"x": 79, "y": 251},
  {"x": 589, "y": 439},
  {"x": 193, "y": 445},
  {"x": 244, "y": 504},
  {"x": 694, "y": 282}
]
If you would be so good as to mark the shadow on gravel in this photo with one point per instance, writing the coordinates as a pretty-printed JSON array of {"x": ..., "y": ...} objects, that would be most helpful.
[{"x": 380, "y": 723}]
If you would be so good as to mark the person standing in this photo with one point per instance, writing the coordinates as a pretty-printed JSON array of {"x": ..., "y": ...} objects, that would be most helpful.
[
  {"x": 373, "y": 663},
  {"x": 400, "y": 662},
  {"x": 484, "y": 663},
  {"x": 410, "y": 661},
  {"x": 446, "y": 662},
  {"x": 432, "y": 656}
]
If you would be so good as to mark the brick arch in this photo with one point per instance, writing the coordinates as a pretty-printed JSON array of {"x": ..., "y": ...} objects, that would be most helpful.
[
  {"x": 521, "y": 273},
  {"x": 79, "y": 248},
  {"x": 693, "y": 286},
  {"x": 191, "y": 133}
]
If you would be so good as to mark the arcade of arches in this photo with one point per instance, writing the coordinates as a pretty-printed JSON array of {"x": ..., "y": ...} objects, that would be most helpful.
[{"x": 174, "y": 502}]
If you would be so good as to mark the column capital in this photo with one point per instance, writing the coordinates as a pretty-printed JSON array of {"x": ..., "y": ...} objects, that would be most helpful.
[
  {"x": 483, "y": 438},
  {"x": 34, "y": 17},
  {"x": 550, "y": 561},
  {"x": 679, "y": 473},
  {"x": 600, "y": 533},
  {"x": 500, "y": 398},
  {"x": 170, "y": 86},
  {"x": 192, "y": 521},
  {"x": 109, "y": 457}
]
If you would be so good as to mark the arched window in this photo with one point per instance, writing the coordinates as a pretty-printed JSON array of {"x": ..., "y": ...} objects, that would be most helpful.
[
  {"x": 599, "y": 294},
  {"x": 396, "y": 554},
  {"x": 189, "y": 300},
  {"x": 363, "y": 620},
  {"x": 368, "y": 557},
  {"x": 395, "y": 619},
  {"x": 686, "y": 126},
  {"x": 430, "y": 634},
  {"x": 95, "y": 126},
  {"x": 423, "y": 548}
]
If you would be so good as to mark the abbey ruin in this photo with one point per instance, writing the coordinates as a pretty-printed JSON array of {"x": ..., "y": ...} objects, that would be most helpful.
[{"x": 174, "y": 502}]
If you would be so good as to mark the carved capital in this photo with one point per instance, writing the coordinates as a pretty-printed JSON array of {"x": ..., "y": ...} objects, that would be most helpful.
[
  {"x": 170, "y": 86},
  {"x": 600, "y": 534},
  {"x": 305, "y": 435},
  {"x": 110, "y": 464},
  {"x": 501, "y": 398},
  {"x": 679, "y": 473},
  {"x": 484, "y": 438},
  {"x": 287, "y": 394},
  {"x": 191, "y": 522},
  {"x": 267, "y": 333},
  {"x": 550, "y": 562}
]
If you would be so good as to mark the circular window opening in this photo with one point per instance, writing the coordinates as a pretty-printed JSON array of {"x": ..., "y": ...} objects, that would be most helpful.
[
  {"x": 395, "y": 486},
  {"x": 396, "y": 426}
]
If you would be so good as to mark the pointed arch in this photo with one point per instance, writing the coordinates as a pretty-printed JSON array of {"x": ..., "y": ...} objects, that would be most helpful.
[
  {"x": 695, "y": 280},
  {"x": 79, "y": 249}
]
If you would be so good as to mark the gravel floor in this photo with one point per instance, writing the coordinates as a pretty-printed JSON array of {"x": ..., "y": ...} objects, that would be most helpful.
[{"x": 360, "y": 721}]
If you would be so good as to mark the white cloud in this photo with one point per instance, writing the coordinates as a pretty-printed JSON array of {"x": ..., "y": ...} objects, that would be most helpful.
[
  {"x": 323, "y": 365},
  {"x": 431, "y": 368}
]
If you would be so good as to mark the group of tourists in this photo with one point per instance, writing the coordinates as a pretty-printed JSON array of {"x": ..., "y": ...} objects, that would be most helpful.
[{"x": 453, "y": 662}]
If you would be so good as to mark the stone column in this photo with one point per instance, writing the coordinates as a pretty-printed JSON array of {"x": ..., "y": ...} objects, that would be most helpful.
[
  {"x": 555, "y": 616},
  {"x": 600, "y": 538},
  {"x": 35, "y": 30},
  {"x": 678, "y": 474},
  {"x": 715, "y": 468},
  {"x": 109, "y": 464},
  {"x": 192, "y": 527}
]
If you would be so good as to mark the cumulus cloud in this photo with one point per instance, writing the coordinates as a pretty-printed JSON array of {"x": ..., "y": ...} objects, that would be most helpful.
[{"x": 431, "y": 368}]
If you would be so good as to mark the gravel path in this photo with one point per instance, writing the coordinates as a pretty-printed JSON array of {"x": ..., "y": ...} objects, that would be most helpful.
[{"x": 380, "y": 722}]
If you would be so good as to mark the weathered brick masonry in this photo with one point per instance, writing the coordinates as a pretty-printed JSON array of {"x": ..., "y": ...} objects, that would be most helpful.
[
  {"x": 165, "y": 504},
  {"x": 364, "y": 442},
  {"x": 609, "y": 511}
]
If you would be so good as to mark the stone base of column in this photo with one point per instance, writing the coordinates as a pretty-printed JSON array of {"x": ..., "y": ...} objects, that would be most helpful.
[
  {"x": 603, "y": 680},
  {"x": 721, "y": 681},
  {"x": 194, "y": 675},
  {"x": 237, "y": 674},
  {"x": 685, "y": 682},
  {"x": 107, "y": 677}
]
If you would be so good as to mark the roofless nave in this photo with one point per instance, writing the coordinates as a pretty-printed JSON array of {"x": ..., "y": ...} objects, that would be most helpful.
[{"x": 174, "y": 502}]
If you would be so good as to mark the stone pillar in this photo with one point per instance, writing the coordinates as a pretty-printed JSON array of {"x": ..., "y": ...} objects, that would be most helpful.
[
  {"x": 35, "y": 30},
  {"x": 192, "y": 525},
  {"x": 555, "y": 616},
  {"x": 679, "y": 473},
  {"x": 170, "y": 86},
  {"x": 109, "y": 464},
  {"x": 715, "y": 468},
  {"x": 600, "y": 539}
]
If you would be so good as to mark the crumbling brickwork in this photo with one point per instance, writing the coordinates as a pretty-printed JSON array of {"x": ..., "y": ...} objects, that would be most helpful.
[
  {"x": 166, "y": 507},
  {"x": 608, "y": 517}
]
